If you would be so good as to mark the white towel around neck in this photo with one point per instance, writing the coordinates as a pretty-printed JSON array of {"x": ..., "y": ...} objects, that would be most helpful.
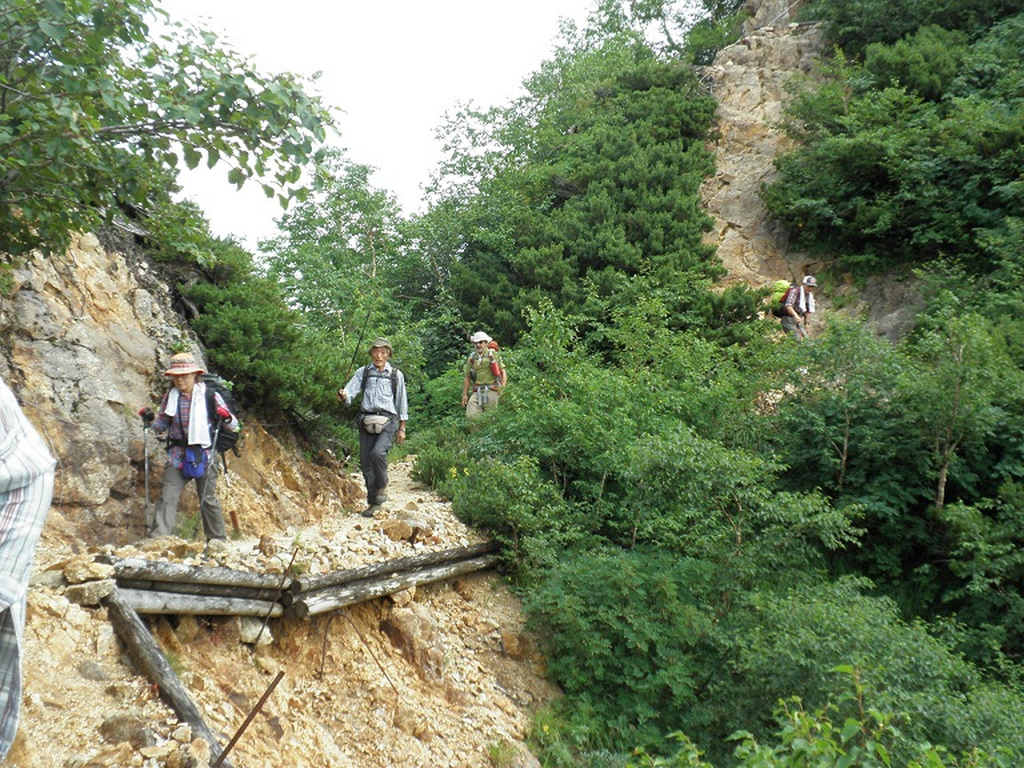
[
  {"x": 805, "y": 301},
  {"x": 198, "y": 419}
]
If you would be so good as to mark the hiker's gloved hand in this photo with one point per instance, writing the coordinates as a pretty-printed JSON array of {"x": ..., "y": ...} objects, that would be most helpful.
[
  {"x": 224, "y": 413},
  {"x": 147, "y": 415}
]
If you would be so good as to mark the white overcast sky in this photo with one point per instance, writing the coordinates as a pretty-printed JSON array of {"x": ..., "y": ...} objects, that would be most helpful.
[{"x": 393, "y": 68}]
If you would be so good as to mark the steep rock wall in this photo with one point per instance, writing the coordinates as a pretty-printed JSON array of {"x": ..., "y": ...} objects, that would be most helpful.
[
  {"x": 87, "y": 334},
  {"x": 748, "y": 80}
]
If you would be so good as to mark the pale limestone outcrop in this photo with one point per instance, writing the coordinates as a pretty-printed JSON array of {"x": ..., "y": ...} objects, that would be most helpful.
[
  {"x": 86, "y": 338},
  {"x": 748, "y": 80}
]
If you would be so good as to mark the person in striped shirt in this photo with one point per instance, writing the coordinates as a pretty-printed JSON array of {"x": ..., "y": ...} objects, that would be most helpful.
[{"x": 26, "y": 487}]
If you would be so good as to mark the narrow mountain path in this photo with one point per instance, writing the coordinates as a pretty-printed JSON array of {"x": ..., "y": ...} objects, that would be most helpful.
[{"x": 443, "y": 674}]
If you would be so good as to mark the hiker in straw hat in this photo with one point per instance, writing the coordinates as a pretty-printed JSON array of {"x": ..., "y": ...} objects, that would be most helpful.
[{"x": 190, "y": 419}]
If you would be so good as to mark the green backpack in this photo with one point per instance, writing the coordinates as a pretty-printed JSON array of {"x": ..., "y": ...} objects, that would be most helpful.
[{"x": 779, "y": 290}]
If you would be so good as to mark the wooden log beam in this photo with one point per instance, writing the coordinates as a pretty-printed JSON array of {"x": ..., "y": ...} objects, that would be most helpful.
[
  {"x": 300, "y": 584},
  {"x": 332, "y": 598},
  {"x": 150, "y": 601},
  {"x": 153, "y": 664},
  {"x": 245, "y": 593},
  {"x": 145, "y": 570}
]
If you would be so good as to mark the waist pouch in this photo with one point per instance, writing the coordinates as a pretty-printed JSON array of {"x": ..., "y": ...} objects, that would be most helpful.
[
  {"x": 374, "y": 423},
  {"x": 194, "y": 464}
]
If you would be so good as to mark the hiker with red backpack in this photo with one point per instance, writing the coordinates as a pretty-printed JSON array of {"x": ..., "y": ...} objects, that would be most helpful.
[
  {"x": 192, "y": 422},
  {"x": 796, "y": 307},
  {"x": 485, "y": 377}
]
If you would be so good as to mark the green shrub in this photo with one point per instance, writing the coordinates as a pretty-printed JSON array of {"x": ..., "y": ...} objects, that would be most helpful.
[
  {"x": 442, "y": 456},
  {"x": 789, "y": 642},
  {"x": 623, "y": 633},
  {"x": 513, "y": 501},
  {"x": 826, "y": 738},
  {"x": 925, "y": 62}
]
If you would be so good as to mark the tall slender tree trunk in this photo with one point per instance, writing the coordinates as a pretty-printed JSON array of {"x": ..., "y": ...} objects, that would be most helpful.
[{"x": 940, "y": 489}]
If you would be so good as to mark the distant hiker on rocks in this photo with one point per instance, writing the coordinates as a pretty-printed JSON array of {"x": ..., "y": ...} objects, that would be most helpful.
[
  {"x": 797, "y": 306},
  {"x": 382, "y": 416},
  {"x": 190, "y": 419},
  {"x": 26, "y": 487},
  {"x": 485, "y": 377}
]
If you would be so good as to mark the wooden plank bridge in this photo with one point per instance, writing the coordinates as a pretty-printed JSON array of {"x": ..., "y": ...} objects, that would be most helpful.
[{"x": 145, "y": 587}]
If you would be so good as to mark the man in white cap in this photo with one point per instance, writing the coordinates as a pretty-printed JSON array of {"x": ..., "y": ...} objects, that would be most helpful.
[
  {"x": 382, "y": 415},
  {"x": 797, "y": 306},
  {"x": 485, "y": 377}
]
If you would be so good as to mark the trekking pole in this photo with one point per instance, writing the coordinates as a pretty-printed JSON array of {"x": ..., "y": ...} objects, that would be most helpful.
[
  {"x": 145, "y": 465},
  {"x": 351, "y": 366},
  {"x": 359, "y": 342},
  {"x": 211, "y": 466},
  {"x": 147, "y": 419}
]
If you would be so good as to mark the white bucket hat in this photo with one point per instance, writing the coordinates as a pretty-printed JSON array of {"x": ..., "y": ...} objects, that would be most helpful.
[{"x": 479, "y": 336}]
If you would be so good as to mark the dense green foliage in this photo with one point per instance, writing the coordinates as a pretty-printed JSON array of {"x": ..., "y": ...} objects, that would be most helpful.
[
  {"x": 692, "y": 523},
  {"x": 678, "y": 586},
  {"x": 913, "y": 155},
  {"x": 255, "y": 339},
  {"x": 588, "y": 197},
  {"x": 93, "y": 105},
  {"x": 856, "y": 24},
  {"x": 825, "y": 737}
]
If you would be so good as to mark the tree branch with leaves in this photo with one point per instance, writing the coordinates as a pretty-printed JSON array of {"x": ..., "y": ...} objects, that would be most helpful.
[{"x": 93, "y": 101}]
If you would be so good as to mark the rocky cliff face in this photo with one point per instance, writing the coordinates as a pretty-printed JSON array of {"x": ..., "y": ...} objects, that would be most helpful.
[
  {"x": 441, "y": 675},
  {"x": 748, "y": 80},
  {"x": 87, "y": 336}
]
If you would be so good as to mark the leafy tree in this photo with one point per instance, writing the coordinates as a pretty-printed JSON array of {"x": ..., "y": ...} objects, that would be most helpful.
[
  {"x": 256, "y": 339},
  {"x": 855, "y": 24},
  {"x": 953, "y": 390},
  {"x": 835, "y": 421},
  {"x": 987, "y": 556},
  {"x": 91, "y": 103},
  {"x": 841, "y": 427},
  {"x": 696, "y": 30},
  {"x": 336, "y": 249},
  {"x": 885, "y": 176}
]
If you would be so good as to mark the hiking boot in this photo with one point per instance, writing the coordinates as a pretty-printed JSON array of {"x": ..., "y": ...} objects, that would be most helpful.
[
  {"x": 214, "y": 547},
  {"x": 381, "y": 497},
  {"x": 371, "y": 510}
]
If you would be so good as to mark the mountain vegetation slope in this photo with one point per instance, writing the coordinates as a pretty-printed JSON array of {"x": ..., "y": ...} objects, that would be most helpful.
[{"x": 738, "y": 549}]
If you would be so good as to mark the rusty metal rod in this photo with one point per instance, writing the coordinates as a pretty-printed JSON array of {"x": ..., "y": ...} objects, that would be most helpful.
[{"x": 248, "y": 719}]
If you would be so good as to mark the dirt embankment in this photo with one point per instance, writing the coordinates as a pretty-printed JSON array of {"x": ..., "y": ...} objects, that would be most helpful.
[{"x": 440, "y": 675}]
